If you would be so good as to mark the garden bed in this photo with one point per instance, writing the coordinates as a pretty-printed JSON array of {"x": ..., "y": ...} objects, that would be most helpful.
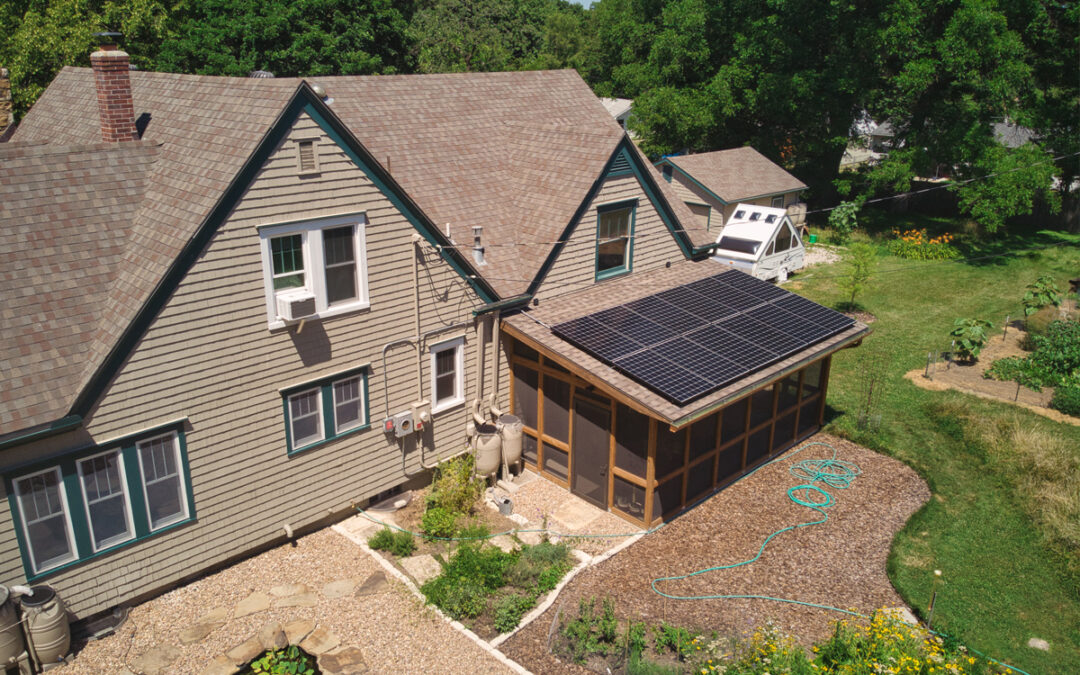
[{"x": 840, "y": 563}]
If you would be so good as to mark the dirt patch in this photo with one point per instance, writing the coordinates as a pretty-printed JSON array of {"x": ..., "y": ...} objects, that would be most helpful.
[
  {"x": 864, "y": 317},
  {"x": 840, "y": 563},
  {"x": 411, "y": 516},
  {"x": 968, "y": 378}
]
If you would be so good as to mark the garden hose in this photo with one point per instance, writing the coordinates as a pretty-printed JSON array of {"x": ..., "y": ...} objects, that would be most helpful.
[{"x": 832, "y": 472}]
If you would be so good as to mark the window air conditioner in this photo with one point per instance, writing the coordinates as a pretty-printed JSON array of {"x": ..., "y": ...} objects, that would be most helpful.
[{"x": 295, "y": 305}]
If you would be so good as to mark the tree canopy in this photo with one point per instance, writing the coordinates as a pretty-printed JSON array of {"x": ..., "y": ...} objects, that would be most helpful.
[{"x": 788, "y": 77}]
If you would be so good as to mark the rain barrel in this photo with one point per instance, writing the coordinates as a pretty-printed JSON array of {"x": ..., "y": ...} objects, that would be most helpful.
[
  {"x": 488, "y": 450},
  {"x": 510, "y": 428},
  {"x": 11, "y": 637},
  {"x": 47, "y": 623}
]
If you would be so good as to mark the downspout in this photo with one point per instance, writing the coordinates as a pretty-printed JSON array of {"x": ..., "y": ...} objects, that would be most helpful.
[
  {"x": 493, "y": 397},
  {"x": 416, "y": 239}
]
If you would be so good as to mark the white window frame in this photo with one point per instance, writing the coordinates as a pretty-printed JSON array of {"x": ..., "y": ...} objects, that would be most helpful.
[
  {"x": 129, "y": 520},
  {"x": 362, "y": 419},
  {"x": 314, "y": 264},
  {"x": 458, "y": 345},
  {"x": 180, "y": 475},
  {"x": 779, "y": 198},
  {"x": 69, "y": 532},
  {"x": 319, "y": 412}
]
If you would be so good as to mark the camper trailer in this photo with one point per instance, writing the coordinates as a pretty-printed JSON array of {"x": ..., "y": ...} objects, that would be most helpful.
[{"x": 761, "y": 241}]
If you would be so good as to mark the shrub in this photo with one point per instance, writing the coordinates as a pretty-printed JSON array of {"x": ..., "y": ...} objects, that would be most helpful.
[
  {"x": 859, "y": 263},
  {"x": 509, "y": 609},
  {"x": 970, "y": 336},
  {"x": 1040, "y": 294},
  {"x": 1038, "y": 323},
  {"x": 843, "y": 219},
  {"x": 540, "y": 567},
  {"x": 917, "y": 245},
  {"x": 1066, "y": 399},
  {"x": 461, "y": 598},
  {"x": 438, "y": 523},
  {"x": 454, "y": 488},
  {"x": 1053, "y": 362},
  {"x": 475, "y": 531},
  {"x": 582, "y": 634},
  {"x": 673, "y": 638},
  {"x": 288, "y": 661},
  {"x": 398, "y": 543}
]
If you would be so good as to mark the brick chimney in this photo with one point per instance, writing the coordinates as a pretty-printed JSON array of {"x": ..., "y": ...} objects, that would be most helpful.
[{"x": 113, "y": 82}]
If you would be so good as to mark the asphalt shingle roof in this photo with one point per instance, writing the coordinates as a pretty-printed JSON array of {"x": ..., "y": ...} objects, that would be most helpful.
[
  {"x": 468, "y": 148},
  {"x": 737, "y": 174}
]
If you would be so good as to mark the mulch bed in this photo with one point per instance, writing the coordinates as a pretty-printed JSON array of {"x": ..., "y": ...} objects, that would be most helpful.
[{"x": 840, "y": 563}]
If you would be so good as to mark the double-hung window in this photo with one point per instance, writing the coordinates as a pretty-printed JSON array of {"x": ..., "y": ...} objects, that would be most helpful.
[
  {"x": 105, "y": 498},
  {"x": 325, "y": 409},
  {"x": 46, "y": 519},
  {"x": 97, "y": 500},
  {"x": 614, "y": 238},
  {"x": 320, "y": 262},
  {"x": 447, "y": 374}
]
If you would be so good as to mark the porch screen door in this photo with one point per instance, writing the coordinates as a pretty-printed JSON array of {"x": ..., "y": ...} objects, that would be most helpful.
[{"x": 590, "y": 449}]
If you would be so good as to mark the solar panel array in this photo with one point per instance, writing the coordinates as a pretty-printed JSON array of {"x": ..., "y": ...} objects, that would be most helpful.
[{"x": 691, "y": 340}]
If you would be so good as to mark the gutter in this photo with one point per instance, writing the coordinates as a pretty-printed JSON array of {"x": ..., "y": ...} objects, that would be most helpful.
[
  {"x": 516, "y": 302},
  {"x": 58, "y": 427}
]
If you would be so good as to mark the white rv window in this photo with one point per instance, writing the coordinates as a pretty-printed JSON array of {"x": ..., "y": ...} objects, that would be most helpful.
[
  {"x": 783, "y": 239},
  {"x": 739, "y": 214},
  {"x": 740, "y": 245},
  {"x": 770, "y": 218}
]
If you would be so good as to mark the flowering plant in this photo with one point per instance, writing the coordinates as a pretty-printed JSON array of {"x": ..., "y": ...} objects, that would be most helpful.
[{"x": 917, "y": 245}]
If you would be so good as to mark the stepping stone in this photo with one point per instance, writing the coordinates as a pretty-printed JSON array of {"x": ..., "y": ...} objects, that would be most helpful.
[
  {"x": 1039, "y": 643},
  {"x": 157, "y": 660},
  {"x": 524, "y": 478},
  {"x": 198, "y": 632},
  {"x": 344, "y": 661},
  {"x": 359, "y": 526},
  {"x": 319, "y": 642},
  {"x": 531, "y": 538},
  {"x": 519, "y": 519},
  {"x": 296, "y": 631},
  {"x": 422, "y": 568},
  {"x": 221, "y": 665},
  {"x": 256, "y": 602},
  {"x": 504, "y": 542},
  {"x": 376, "y": 583},
  {"x": 245, "y": 652},
  {"x": 338, "y": 589},
  {"x": 288, "y": 590},
  {"x": 270, "y": 636},
  {"x": 575, "y": 514},
  {"x": 216, "y": 615},
  {"x": 305, "y": 600}
]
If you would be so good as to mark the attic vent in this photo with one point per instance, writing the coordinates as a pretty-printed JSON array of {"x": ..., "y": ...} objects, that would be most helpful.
[
  {"x": 307, "y": 160},
  {"x": 620, "y": 165}
]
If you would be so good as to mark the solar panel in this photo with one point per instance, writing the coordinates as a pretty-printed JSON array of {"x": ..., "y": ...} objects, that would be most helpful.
[{"x": 688, "y": 341}]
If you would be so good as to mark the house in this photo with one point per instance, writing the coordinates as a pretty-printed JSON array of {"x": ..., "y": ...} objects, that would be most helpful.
[
  {"x": 712, "y": 182},
  {"x": 620, "y": 109},
  {"x": 222, "y": 293}
]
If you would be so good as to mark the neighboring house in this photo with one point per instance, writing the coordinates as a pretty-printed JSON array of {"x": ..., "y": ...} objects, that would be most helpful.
[
  {"x": 219, "y": 290},
  {"x": 620, "y": 109},
  {"x": 712, "y": 182}
]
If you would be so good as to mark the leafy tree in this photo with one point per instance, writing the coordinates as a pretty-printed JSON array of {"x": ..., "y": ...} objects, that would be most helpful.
[
  {"x": 860, "y": 261},
  {"x": 288, "y": 38},
  {"x": 477, "y": 35}
]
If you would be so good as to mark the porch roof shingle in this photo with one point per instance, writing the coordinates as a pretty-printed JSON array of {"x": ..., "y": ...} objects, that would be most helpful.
[
  {"x": 533, "y": 326},
  {"x": 737, "y": 174}
]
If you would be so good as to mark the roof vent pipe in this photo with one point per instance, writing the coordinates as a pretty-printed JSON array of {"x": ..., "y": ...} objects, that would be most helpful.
[
  {"x": 478, "y": 248},
  {"x": 116, "y": 108}
]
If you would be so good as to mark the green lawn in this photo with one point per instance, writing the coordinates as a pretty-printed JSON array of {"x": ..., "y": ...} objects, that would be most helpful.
[{"x": 1003, "y": 583}]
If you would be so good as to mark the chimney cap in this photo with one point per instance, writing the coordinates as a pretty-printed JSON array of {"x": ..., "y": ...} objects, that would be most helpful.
[{"x": 107, "y": 38}]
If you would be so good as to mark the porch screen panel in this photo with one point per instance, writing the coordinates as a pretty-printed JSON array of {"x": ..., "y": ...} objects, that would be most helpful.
[
  {"x": 670, "y": 449},
  {"x": 808, "y": 416},
  {"x": 629, "y": 498},
  {"x": 761, "y": 406},
  {"x": 758, "y": 447},
  {"x": 812, "y": 379},
  {"x": 702, "y": 437},
  {"x": 525, "y": 395},
  {"x": 668, "y": 497},
  {"x": 729, "y": 463},
  {"x": 528, "y": 448},
  {"x": 734, "y": 422},
  {"x": 556, "y": 462},
  {"x": 789, "y": 392},
  {"x": 631, "y": 440},
  {"x": 784, "y": 433},
  {"x": 699, "y": 480},
  {"x": 557, "y": 409}
]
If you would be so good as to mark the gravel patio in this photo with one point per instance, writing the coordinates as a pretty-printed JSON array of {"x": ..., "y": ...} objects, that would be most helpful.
[{"x": 840, "y": 563}]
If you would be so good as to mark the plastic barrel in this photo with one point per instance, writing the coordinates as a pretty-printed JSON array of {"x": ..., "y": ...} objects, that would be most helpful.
[
  {"x": 11, "y": 637},
  {"x": 488, "y": 450},
  {"x": 510, "y": 428},
  {"x": 47, "y": 623}
]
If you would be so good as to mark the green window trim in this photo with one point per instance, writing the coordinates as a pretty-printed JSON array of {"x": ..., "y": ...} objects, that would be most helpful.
[
  {"x": 325, "y": 387},
  {"x": 628, "y": 254},
  {"x": 76, "y": 506}
]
